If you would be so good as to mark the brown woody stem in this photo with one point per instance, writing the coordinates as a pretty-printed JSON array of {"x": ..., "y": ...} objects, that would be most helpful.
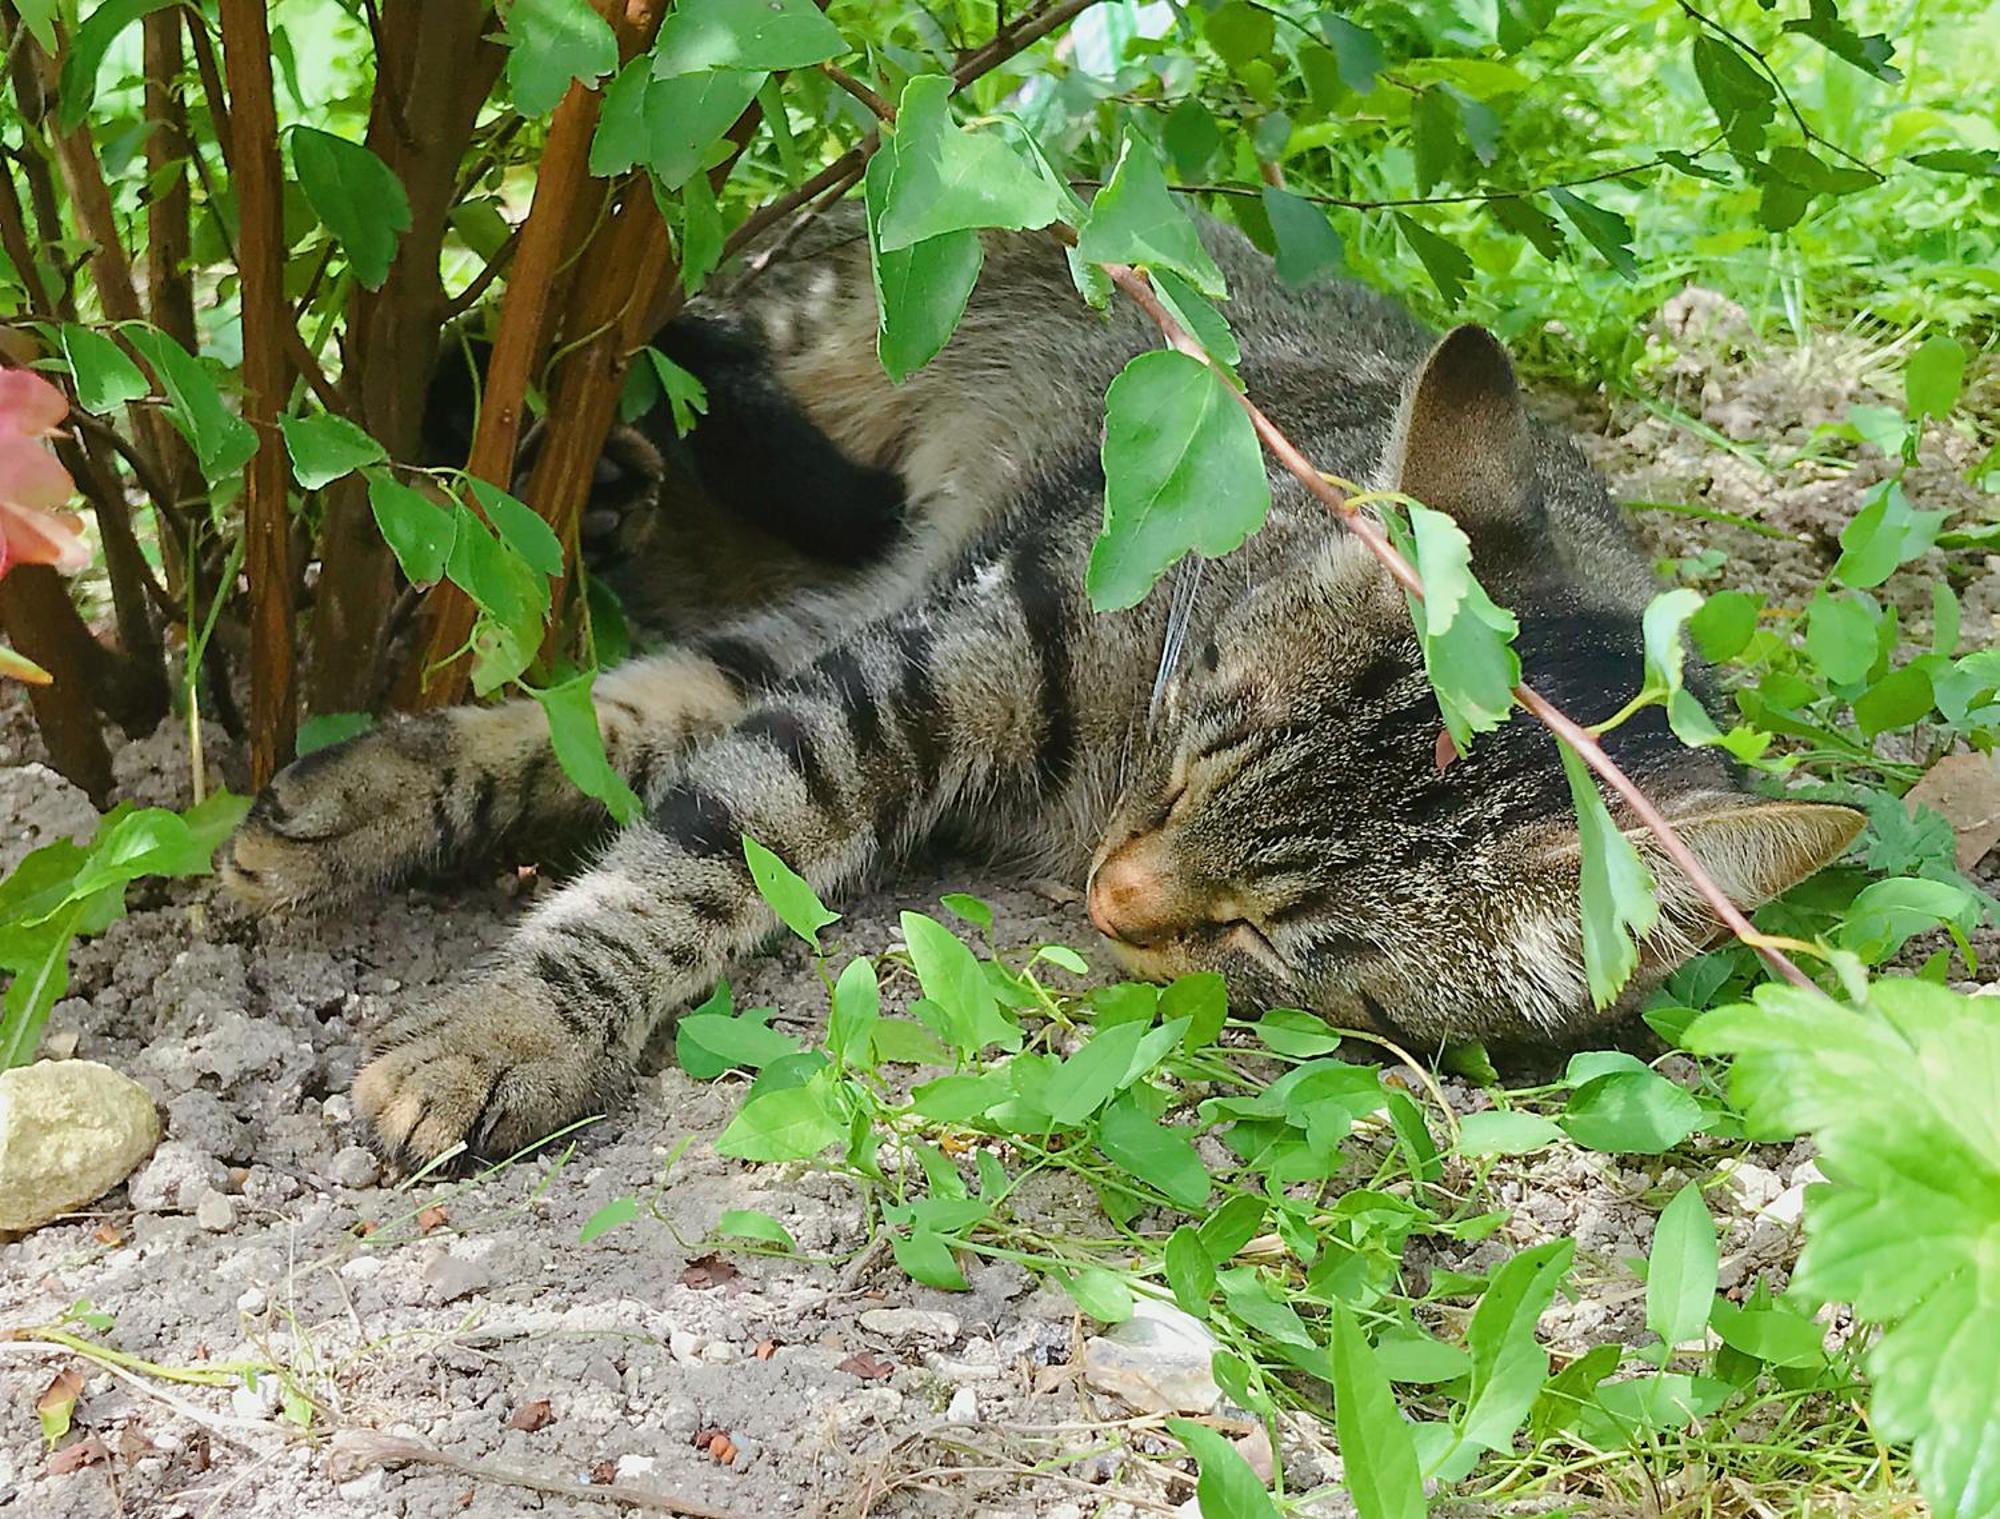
[{"x": 246, "y": 53}]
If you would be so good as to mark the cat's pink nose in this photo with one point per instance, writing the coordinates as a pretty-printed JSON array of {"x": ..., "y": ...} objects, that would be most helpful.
[{"x": 1127, "y": 900}]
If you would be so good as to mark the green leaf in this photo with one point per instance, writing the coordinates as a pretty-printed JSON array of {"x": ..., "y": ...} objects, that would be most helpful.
[
  {"x": 951, "y": 977},
  {"x": 686, "y": 395},
  {"x": 698, "y": 224},
  {"x": 1631, "y": 1113},
  {"x": 325, "y": 447},
  {"x": 1681, "y": 1269},
  {"x": 927, "y": 1257},
  {"x": 1308, "y": 247},
  {"x": 1508, "y": 1363},
  {"x": 792, "y": 1123},
  {"x": 920, "y": 291},
  {"x": 1359, "y": 53},
  {"x": 520, "y": 527},
  {"x": 1446, "y": 264},
  {"x": 744, "y": 34},
  {"x": 790, "y": 896},
  {"x": 1190, "y": 1273},
  {"x": 1521, "y": 216},
  {"x": 105, "y": 378},
  {"x": 617, "y": 1212},
  {"x": 1870, "y": 54},
  {"x": 1780, "y": 1336},
  {"x": 1666, "y": 659},
  {"x": 1100, "y": 1294},
  {"x": 670, "y": 125},
  {"x": 754, "y": 1223},
  {"x": 1182, "y": 471},
  {"x": 1841, "y": 636},
  {"x": 550, "y": 43},
  {"x": 1467, "y": 641},
  {"x": 1900, "y": 698},
  {"x": 1434, "y": 140},
  {"x": 1502, "y": 1132},
  {"x": 223, "y": 443},
  {"x": 1160, "y": 1156},
  {"x": 856, "y": 1006},
  {"x": 579, "y": 745},
  {"x": 1722, "y": 626},
  {"x": 1378, "y": 1454},
  {"x": 1884, "y": 535},
  {"x": 88, "y": 44},
  {"x": 39, "y": 16},
  {"x": 1606, "y": 231},
  {"x": 1203, "y": 322},
  {"x": 943, "y": 179},
  {"x": 1135, "y": 220},
  {"x": 1086, "y": 1080},
  {"x": 1190, "y": 137},
  {"x": 1522, "y": 21},
  {"x": 1934, "y": 377},
  {"x": 1226, "y": 1488},
  {"x": 1899, "y": 1100},
  {"x": 356, "y": 196},
  {"x": 1232, "y": 1226},
  {"x": 324, "y": 729},
  {"x": 1742, "y": 98},
  {"x": 1980, "y": 161},
  {"x": 418, "y": 531}
]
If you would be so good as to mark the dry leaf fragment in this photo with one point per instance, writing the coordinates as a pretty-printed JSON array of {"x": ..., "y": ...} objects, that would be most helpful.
[
  {"x": 58, "y": 1402},
  {"x": 707, "y": 1271},
  {"x": 431, "y": 1218},
  {"x": 1965, "y": 790},
  {"x": 108, "y": 1234},
  {"x": 864, "y": 1364},
  {"x": 531, "y": 1415},
  {"x": 603, "y": 1473},
  {"x": 766, "y": 1349},
  {"x": 89, "y": 1451}
]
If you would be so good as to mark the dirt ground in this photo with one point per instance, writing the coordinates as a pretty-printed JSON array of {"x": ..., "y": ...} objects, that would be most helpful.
[{"x": 468, "y": 1320}]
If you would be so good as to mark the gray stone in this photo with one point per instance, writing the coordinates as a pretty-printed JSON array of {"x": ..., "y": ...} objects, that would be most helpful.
[
  {"x": 354, "y": 1166},
  {"x": 963, "y": 1408},
  {"x": 911, "y": 1323},
  {"x": 176, "y": 1178},
  {"x": 70, "y": 1131},
  {"x": 1157, "y": 1361},
  {"x": 215, "y": 1212},
  {"x": 449, "y": 1276}
]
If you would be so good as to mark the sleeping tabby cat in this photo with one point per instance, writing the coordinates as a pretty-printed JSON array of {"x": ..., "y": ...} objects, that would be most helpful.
[{"x": 928, "y": 665}]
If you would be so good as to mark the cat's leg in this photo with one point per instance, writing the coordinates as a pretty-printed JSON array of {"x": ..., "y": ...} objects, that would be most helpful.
[
  {"x": 425, "y": 792},
  {"x": 857, "y": 755}
]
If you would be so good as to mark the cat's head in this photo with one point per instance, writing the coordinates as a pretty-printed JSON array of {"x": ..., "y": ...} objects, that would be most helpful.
[{"x": 1301, "y": 824}]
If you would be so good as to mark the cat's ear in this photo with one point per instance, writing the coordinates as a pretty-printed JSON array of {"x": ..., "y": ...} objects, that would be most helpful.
[
  {"x": 1461, "y": 442},
  {"x": 1756, "y": 849}
]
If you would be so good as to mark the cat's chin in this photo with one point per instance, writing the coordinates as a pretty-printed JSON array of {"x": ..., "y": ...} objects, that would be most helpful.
[{"x": 1240, "y": 953}]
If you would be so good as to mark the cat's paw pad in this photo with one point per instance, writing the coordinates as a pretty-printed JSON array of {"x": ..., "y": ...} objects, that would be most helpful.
[
  {"x": 492, "y": 1065},
  {"x": 353, "y": 815}
]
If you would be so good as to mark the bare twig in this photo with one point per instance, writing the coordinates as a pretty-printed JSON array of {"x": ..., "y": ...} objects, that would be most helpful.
[
  {"x": 467, "y": 298},
  {"x": 860, "y": 91},
  {"x": 246, "y": 50},
  {"x": 355, "y": 1450}
]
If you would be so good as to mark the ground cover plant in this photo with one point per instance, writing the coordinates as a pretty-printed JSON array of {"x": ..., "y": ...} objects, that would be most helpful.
[{"x": 239, "y": 238}]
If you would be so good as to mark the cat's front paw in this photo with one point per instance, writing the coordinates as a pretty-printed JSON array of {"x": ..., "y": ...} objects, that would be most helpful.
[
  {"x": 492, "y": 1063},
  {"x": 346, "y": 818}
]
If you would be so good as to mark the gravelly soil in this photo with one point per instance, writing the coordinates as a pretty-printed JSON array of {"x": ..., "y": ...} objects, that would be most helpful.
[{"x": 470, "y": 1318}]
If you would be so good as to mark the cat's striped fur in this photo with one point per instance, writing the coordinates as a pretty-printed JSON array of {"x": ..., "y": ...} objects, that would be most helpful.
[{"x": 1285, "y": 819}]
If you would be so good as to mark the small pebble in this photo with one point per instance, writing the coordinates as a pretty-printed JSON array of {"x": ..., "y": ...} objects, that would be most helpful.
[
  {"x": 215, "y": 1213},
  {"x": 963, "y": 1408},
  {"x": 911, "y": 1323},
  {"x": 354, "y": 1166}
]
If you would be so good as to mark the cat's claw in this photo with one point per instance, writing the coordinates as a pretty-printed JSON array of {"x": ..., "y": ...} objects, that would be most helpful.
[{"x": 492, "y": 1065}]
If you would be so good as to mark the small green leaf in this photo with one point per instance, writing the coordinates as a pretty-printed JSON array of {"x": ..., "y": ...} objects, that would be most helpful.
[
  {"x": 617, "y": 1212},
  {"x": 1617, "y": 890},
  {"x": 1446, "y": 264},
  {"x": 790, "y": 896},
  {"x": 1501, "y": 1132},
  {"x": 792, "y": 1123},
  {"x": 1681, "y": 1269},
  {"x": 325, "y": 447},
  {"x": 1724, "y": 623},
  {"x": 1160, "y": 1156},
  {"x": 1743, "y": 100},
  {"x": 1521, "y": 216},
  {"x": 1884, "y": 535},
  {"x": 520, "y": 527},
  {"x": 579, "y": 745},
  {"x": 1841, "y": 636},
  {"x": 754, "y": 1223},
  {"x": 1666, "y": 660},
  {"x": 1378, "y": 1454},
  {"x": 670, "y": 125},
  {"x": 951, "y": 977},
  {"x": 1522, "y": 21},
  {"x": 1934, "y": 377},
  {"x": 1902, "y": 697},
  {"x": 105, "y": 378},
  {"x": 1467, "y": 640},
  {"x": 1190, "y": 1273},
  {"x": 223, "y": 442},
  {"x": 356, "y": 196},
  {"x": 1360, "y": 55},
  {"x": 550, "y": 43},
  {"x": 1631, "y": 1113},
  {"x": 857, "y": 1005},
  {"x": 1870, "y": 54},
  {"x": 944, "y": 179},
  {"x": 686, "y": 395},
  {"x": 920, "y": 291},
  {"x": 744, "y": 34},
  {"x": 324, "y": 729},
  {"x": 87, "y": 46},
  {"x": 1102, "y": 1295},
  {"x": 1606, "y": 231},
  {"x": 1508, "y": 1363},
  {"x": 1226, "y": 1488},
  {"x": 418, "y": 531},
  {"x": 1308, "y": 247},
  {"x": 1183, "y": 470},
  {"x": 1778, "y": 1335},
  {"x": 1135, "y": 220}
]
